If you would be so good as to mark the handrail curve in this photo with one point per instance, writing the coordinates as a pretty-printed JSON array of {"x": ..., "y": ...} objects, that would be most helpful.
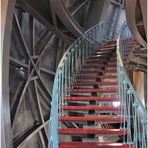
[
  {"x": 133, "y": 107},
  {"x": 72, "y": 62}
]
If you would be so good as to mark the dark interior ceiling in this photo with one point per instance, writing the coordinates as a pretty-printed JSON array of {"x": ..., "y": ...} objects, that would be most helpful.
[{"x": 136, "y": 15}]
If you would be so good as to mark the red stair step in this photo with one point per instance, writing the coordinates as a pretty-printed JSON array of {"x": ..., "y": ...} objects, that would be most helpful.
[
  {"x": 90, "y": 90},
  {"x": 98, "y": 71},
  {"x": 89, "y": 98},
  {"x": 95, "y": 77},
  {"x": 105, "y": 57},
  {"x": 110, "y": 49},
  {"x": 99, "y": 108},
  {"x": 94, "y": 83},
  {"x": 93, "y": 145},
  {"x": 100, "y": 65},
  {"x": 105, "y": 48},
  {"x": 97, "y": 118},
  {"x": 110, "y": 45},
  {"x": 103, "y": 52},
  {"x": 101, "y": 56},
  {"x": 100, "y": 60},
  {"x": 97, "y": 64},
  {"x": 101, "y": 131}
]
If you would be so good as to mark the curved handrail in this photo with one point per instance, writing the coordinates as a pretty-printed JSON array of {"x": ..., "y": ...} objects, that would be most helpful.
[
  {"x": 134, "y": 110},
  {"x": 118, "y": 51},
  {"x": 70, "y": 63},
  {"x": 120, "y": 63}
]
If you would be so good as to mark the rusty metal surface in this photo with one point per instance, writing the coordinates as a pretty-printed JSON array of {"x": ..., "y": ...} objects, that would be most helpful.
[
  {"x": 132, "y": 18},
  {"x": 6, "y": 18},
  {"x": 143, "y": 5},
  {"x": 65, "y": 16}
]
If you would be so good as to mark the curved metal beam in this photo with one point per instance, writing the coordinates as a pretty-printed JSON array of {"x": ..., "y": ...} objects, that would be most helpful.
[
  {"x": 60, "y": 9},
  {"x": 29, "y": 134},
  {"x": 6, "y": 26},
  {"x": 143, "y": 5},
  {"x": 18, "y": 103},
  {"x": 131, "y": 20},
  {"x": 41, "y": 19},
  {"x": 82, "y": 4}
]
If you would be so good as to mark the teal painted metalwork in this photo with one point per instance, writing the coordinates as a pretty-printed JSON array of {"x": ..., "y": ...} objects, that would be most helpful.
[
  {"x": 72, "y": 62},
  {"x": 134, "y": 110},
  {"x": 69, "y": 65}
]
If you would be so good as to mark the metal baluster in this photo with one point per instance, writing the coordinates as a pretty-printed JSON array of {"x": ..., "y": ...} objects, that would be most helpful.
[
  {"x": 69, "y": 70},
  {"x": 135, "y": 105},
  {"x": 65, "y": 77},
  {"x": 129, "y": 138},
  {"x": 62, "y": 88}
]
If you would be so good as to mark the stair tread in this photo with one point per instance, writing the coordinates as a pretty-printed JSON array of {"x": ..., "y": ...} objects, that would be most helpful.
[
  {"x": 92, "y": 118},
  {"x": 95, "y": 76},
  {"x": 109, "y": 45},
  {"x": 89, "y": 90},
  {"x": 82, "y": 98},
  {"x": 98, "y": 71},
  {"x": 105, "y": 49},
  {"x": 92, "y": 131},
  {"x": 111, "y": 48},
  {"x": 98, "y": 64},
  {"x": 107, "y": 52},
  {"x": 95, "y": 83},
  {"x": 103, "y": 58},
  {"x": 94, "y": 58},
  {"x": 93, "y": 145},
  {"x": 100, "y": 60},
  {"x": 99, "y": 108}
]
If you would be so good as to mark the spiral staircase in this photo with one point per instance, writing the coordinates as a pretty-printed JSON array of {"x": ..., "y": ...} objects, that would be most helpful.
[{"x": 94, "y": 103}]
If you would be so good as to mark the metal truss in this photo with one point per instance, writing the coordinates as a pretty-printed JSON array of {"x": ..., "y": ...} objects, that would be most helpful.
[
  {"x": 30, "y": 71},
  {"x": 30, "y": 77}
]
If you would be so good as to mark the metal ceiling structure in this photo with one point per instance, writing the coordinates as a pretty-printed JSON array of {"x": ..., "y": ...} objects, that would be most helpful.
[
  {"x": 35, "y": 34},
  {"x": 136, "y": 16}
]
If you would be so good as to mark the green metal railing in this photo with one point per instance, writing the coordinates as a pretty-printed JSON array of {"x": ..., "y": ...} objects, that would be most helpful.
[
  {"x": 133, "y": 109},
  {"x": 68, "y": 67},
  {"x": 72, "y": 61}
]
